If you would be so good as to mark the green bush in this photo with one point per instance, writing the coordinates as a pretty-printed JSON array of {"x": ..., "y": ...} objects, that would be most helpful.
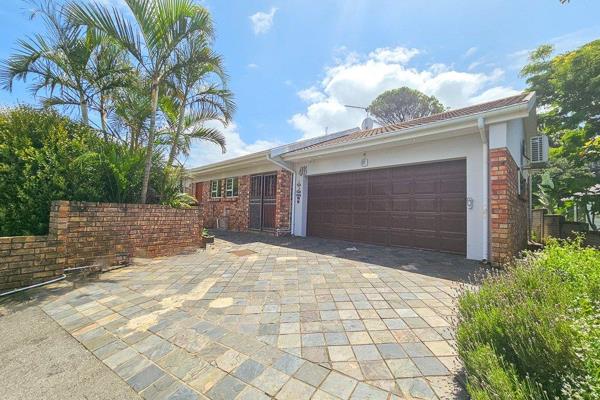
[
  {"x": 45, "y": 156},
  {"x": 533, "y": 331}
]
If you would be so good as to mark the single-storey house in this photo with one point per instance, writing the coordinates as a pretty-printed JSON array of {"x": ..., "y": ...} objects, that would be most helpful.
[{"x": 453, "y": 182}]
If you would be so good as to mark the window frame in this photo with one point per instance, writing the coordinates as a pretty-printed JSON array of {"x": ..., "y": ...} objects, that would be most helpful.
[
  {"x": 215, "y": 190},
  {"x": 235, "y": 187}
]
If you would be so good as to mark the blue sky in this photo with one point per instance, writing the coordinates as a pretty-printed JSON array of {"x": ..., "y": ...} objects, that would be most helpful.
[{"x": 294, "y": 64}]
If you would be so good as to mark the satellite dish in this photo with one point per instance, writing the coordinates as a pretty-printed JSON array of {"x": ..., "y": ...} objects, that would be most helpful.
[{"x": 366, "y": 124}]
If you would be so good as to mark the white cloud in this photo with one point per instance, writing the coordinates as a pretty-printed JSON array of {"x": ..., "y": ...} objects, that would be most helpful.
[
  {"x": 312, "y": 94},
  {"x": 262, "y": 21},
  {"x": 357, "y": 79},
  {"x": 252, "y": 66},
  {"x": 470, "y": 51},
  {"x": 202, "y": 153},
  {"x": 400, "y": 55}
]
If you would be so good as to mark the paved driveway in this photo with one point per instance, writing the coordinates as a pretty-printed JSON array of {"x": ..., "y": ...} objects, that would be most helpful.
[{"x": 258, "y": 317}]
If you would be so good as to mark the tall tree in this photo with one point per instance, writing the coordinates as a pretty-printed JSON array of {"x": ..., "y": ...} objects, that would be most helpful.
[
  {"x": 157, "y": 30},
  {"x": 183, "y": 127},
  {"x": 568, "y": 91},
  {"x": 199, "y": 87},
  {"x": 403, "y": 104},
  {"x": 64, "y": 62}
]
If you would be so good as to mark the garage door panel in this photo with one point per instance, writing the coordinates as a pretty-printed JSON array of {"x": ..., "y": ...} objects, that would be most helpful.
[
  {"x": 361, "y": 188},
  {"x": 401, "y": 204},
  {"x": 360, "y": 204},
  {"x": 380, "y": 189},
  {"x": 401, "y": 220},
  {"x": 343, "y": 218},
  {"x": 448, "y": 204},
  {"x": 380, "y": 204},
  {"x": 402, "y": 187},
  {"x": 426, "y": 240},
  {"x": 420, "y": 206},
  {"x": 360, "y": 219},
  {"x": 380, "y": 220},
  {"x": 426, "y": 187},
  {"x": 344, "y": 203},
  {"x": 453, "y": 186},
  {"x": 401, "y": 237},
  {"x": 449, "y": 223},
  {"x": 425, "y": 222},
  {"x": 379, "y": 236}
]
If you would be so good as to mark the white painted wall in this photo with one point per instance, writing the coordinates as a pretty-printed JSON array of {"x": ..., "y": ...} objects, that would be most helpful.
[
  {"x": 516, "y": 135},
  {"x": 510, "y": 135},
  {"x": 468, "y": 147}
]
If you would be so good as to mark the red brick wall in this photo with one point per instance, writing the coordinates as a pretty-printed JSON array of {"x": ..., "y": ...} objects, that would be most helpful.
[
  {"x": 26, "y": 260},
  {"x": 508, "y": 209},
  {"x": 109, "y": 232},
  {"x": 236, "y": 208},
  {"x": 83, "y": 233},
  {"x": 284, "y": 202}
]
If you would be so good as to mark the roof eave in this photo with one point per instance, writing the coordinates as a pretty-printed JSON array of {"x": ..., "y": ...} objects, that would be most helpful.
[
  {"x": 228, "y": 164},
  {"x": 500, "y": 114}
]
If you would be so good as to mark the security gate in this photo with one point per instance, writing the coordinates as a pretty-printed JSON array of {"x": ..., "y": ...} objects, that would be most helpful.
[{"x": 263, "y": 189}]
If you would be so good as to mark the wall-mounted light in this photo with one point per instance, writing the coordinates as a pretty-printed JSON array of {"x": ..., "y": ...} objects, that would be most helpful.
[
  {"x": 364, "y": 161},
  {"x": 470, "y": 203}
]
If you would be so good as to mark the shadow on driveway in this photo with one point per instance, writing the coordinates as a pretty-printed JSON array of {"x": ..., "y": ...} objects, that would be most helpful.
[{"x": 435, "y": 264}]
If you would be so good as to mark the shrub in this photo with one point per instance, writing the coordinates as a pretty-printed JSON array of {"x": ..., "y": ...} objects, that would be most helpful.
[
  {"x": 45, "y": 156},
  {"x": 533, "y": 331}
]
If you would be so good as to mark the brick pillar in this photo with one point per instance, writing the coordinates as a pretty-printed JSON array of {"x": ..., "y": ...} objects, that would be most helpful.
[
  {"x": 508, "y": 209},
  {"x": 283, "y": 202}
]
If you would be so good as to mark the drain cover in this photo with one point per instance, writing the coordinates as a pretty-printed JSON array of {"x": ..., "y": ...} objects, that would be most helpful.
[{"x": 242, "y": 252}]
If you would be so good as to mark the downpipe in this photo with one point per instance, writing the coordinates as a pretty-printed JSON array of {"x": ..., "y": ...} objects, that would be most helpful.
[{"x": 485, "y": 188}]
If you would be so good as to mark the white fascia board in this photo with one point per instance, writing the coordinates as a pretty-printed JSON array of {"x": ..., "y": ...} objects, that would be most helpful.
[
  {"x": 412, "y": 134},
  {"x": 228, "y": 164}
]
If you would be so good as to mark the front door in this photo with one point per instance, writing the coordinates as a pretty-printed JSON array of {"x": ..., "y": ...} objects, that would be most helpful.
[{"x": 263, "y": 189}]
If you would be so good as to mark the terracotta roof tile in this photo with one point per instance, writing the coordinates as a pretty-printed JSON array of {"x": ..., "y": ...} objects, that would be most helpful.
[{"x": 460, "y": 112}]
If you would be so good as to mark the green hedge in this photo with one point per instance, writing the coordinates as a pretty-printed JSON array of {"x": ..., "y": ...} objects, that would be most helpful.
[
  {"x": 45, "y": 156},
  {"x": 533, "y": 332}
]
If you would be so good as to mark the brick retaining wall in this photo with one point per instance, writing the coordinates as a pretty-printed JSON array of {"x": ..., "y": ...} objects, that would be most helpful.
[
  {"x": 508, "y": 208},
  {"x": 106, "y": 233},
  {"x": 82, "y": 233},
  {"x": 25, "y": 260}
]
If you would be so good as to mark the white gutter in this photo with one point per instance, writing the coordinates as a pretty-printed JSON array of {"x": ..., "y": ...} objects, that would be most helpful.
[
  {"x": 486, "y": 182},
  {"x": 493, "y": 116}
]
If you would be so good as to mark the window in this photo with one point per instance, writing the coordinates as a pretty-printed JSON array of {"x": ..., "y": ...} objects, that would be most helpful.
[
  {"x": 215, "y": 189},
  {"x": 231, "y": 187}
]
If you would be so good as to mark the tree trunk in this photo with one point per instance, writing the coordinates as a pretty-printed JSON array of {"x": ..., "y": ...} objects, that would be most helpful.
[
  {"x": 84, "y": 109},
  {"x": 180, "y": 121},
  {"x": 103, "y": 117},
  {"x": 150, "y": 145}
]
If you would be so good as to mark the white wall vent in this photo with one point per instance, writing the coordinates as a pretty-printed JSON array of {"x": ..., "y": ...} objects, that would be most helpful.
[{"x": 539, "y": 149}]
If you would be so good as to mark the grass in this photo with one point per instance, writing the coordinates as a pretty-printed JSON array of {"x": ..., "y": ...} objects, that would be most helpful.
[{"x": 533, "y": 331}]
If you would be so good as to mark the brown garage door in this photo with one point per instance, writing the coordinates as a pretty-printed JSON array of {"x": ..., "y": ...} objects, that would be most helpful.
[{"x": 421, "y": 206}]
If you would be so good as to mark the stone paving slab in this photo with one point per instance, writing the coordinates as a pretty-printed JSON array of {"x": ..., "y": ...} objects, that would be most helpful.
[{"x": 295, "y": 318}]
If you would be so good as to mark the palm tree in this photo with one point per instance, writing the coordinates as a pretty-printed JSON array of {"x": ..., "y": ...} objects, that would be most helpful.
[
  {"x": 66, "y": 62},
  {"x": 201, "y": 87},
  {"x": 180, "y": 129},
  {"x": 110, "y": 70},
  {"x": 57, "y": 60},
  {"x": 158, "y": 28},
  {"x": 131, "y": 111}
]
